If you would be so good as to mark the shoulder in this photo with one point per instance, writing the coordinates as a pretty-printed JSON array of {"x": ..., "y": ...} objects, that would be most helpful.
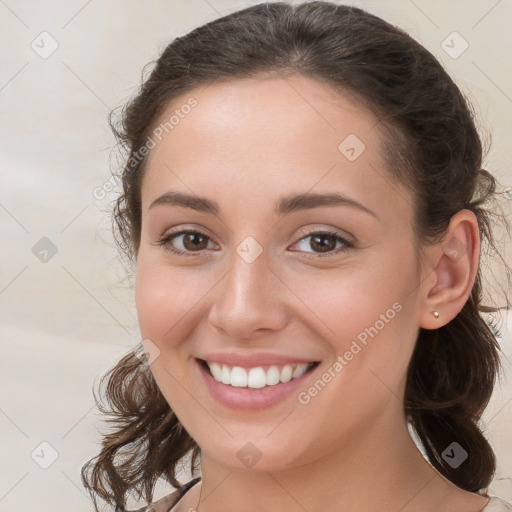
[
  {"x": 162, "y": 505},
  {"x": 497, "y": 505},
  {"x": 167, "y": 502}
]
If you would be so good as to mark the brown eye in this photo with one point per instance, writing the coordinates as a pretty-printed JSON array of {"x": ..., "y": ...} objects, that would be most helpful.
[
  {"x": 185, "y": 242},
  {"x": 324, "y": 243},
  {"x": 194, "y": 241}
]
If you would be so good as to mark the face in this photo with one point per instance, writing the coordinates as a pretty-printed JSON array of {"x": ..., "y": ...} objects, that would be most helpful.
[{"x": 276, "y": 276}]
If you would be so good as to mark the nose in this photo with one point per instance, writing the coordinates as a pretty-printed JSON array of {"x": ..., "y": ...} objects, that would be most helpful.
[{"x": 249, "y": 300}]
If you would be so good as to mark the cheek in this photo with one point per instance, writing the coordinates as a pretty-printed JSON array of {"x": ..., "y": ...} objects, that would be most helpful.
[
  {"x": 348, "y": 303},
  {"x": 366, "y": 316},
  {"x": 165, "y": 298},
  {"x": 154, "y": 302}
]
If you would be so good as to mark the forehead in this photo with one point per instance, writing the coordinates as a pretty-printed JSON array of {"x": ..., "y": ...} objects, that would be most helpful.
[
  {"x": 261, "y": 137},
  {"x": 260, "y": 108}
]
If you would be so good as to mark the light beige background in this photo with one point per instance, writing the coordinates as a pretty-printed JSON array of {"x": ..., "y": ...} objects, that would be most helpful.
[{"x": 66, "y": 321}]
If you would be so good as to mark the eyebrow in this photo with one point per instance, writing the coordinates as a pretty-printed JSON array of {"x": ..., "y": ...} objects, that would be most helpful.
[{"x": 283, "y": 206}]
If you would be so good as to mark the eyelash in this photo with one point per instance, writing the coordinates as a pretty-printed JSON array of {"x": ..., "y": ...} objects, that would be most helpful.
[{"x": 164, "y": 241}]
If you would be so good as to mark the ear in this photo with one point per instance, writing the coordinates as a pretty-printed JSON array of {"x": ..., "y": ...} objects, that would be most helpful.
[{"x": 451, "y": 271}]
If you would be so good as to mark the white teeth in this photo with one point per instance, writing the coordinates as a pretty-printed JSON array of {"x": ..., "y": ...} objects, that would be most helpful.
[
  {"x": 226, "y": 375},
  {"x": 216, "y": 371},
  {"x": 300, "y": 370},
  {"x": 238, "y": 377},
  {"x": 257, "y": 377},
  {"x": 286, "y": 373},
  {"x": 273, "y": 376}
]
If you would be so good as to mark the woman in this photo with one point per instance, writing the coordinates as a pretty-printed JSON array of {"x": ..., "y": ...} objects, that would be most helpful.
[{"x": 304, "y": 201}]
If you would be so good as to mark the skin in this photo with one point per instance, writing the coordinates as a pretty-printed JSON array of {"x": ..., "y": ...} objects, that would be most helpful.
[{"x": 247, "y": 143}]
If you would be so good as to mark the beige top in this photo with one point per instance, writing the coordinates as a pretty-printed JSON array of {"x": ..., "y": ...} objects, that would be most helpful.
[{"x": 167, "y": 502}]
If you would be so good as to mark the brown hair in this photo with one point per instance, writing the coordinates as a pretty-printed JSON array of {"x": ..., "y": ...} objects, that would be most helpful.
[{"x": 434, "y": 147}]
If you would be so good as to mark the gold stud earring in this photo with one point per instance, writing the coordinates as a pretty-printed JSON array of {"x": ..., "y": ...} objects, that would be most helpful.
[{"x": 435, "y": 313}]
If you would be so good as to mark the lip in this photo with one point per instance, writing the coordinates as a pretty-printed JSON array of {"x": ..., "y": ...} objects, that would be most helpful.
[
  {"x": 248, "y": 398},
  {"x": 252, "y": 360}
]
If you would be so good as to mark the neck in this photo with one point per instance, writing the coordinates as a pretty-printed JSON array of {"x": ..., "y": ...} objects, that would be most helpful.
[{"x": 380, "y": 468}]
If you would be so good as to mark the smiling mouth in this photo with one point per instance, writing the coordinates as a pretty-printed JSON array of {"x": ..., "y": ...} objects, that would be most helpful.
[{"x": 257, "y": 377}]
